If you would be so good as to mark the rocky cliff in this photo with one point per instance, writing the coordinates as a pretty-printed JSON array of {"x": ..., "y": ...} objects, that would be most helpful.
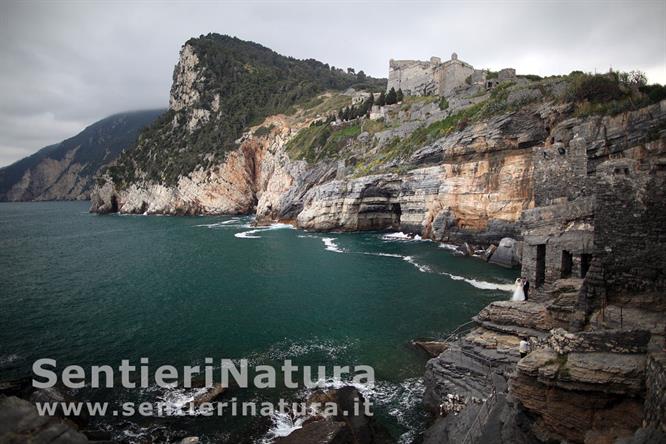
[
  {"x": 564, "y": 174},
  {"x": 457, "y": 169},
  {"x": 65, "y": 171}
]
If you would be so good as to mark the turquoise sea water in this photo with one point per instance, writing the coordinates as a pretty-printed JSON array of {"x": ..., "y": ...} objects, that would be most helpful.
[{"x": 92, "y": 290}]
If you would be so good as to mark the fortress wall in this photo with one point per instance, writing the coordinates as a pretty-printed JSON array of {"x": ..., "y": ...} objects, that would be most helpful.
[
  {"x": 452, "y": 75},
  {"x": 412, "y": 76}
]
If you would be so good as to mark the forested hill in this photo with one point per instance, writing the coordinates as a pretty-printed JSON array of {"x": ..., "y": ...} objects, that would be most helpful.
[
  {"x": 222, "y": 85},
  {"x": 65, "y": 170}
]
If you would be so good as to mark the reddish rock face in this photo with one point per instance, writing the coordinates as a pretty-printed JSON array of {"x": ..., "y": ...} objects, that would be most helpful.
[{"x": 574, "y": 415}]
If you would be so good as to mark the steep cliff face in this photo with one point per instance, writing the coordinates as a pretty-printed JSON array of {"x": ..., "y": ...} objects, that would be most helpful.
[
  {"x": 462, "y": 172},
  {"x": 65, "y": 171},
  {"x": 582, "y": 191},
  {"x": 593, "y": 251}
]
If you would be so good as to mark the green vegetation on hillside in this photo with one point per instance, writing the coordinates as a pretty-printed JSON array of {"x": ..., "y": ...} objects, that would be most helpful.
[
  {"x": 319, "y": 142},
  {"x": 612, "y": 93},
  {"x": 95, "y": 146},
  {"x": 251, "y": 82}
]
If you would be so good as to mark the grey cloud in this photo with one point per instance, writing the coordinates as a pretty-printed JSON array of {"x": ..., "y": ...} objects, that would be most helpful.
[{"x": 68, "y": 64}]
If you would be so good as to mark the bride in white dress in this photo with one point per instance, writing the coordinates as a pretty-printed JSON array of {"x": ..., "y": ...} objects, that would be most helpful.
[{"x": 518, "y": 293}]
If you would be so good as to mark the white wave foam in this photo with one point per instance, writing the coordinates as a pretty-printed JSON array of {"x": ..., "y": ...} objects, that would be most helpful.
[
  {"x": 282, "y": 425},
  {"x": 289, "y": 350},
  {"x": 482, "y": 285},
  {"x": 219, "y": 224},
  {"x": 385, "y": 254},
  {"x": 421, "y": 268},
  {"x": 248, "y": 234},
  {"x": 330, "y": 244},
  {"x": 251, "y": 234},
  {"x": 449, "y": 247},
  {"x": 401, "y": 400},
  {"x": 410, "y": 259},
  {"x": 400, "y": 236}
]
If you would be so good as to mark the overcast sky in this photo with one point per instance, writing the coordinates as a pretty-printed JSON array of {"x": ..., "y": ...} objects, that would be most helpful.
[{"x": 65, "y": 65}]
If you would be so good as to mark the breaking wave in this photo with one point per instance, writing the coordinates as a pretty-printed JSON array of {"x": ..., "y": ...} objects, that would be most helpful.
[
  {"x": 330, "y": 244},
  {"x": 482, "y": 285},
  {"x": 421, "y": 268},
  {"x": 450, "y": 247},
  {"x": 282, "y": 424},
  {"x": 251, "y": 234},
  {"x": 401, "y": 400},
  {"x": 400, "y": 236}
]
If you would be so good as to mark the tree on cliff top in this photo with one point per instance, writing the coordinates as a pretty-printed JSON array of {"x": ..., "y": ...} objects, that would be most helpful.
[
  {"x": 391, "y": 97},
  {"x": 381, "y": 100},
  {"x": 248, "y": 82}
]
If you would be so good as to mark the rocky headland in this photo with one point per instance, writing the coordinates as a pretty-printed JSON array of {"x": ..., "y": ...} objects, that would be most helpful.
[
  {"x": 66, "y": 170},
  {"x": 562, "y": 176}
]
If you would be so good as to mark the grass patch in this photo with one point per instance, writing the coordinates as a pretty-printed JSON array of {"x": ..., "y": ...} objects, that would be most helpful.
[
  {"x": 373, "y": 126},
  {"x": 321, "y": 142},
  {"x": 263, "y": 131},
  {"x": 412, "y": 100}
]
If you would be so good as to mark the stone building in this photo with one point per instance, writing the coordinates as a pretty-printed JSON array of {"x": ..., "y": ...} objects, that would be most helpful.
[
  {"x": 599, "y": 207},
  {"x": 435, "y": 77}
]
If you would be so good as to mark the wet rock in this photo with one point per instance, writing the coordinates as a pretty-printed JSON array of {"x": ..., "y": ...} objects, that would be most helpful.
[
  {"x": 211, "y": 394},
  {"x": 319, "y": 432},
  {"x": 488, "y": 252},
  {"x": 532, "y": 315},
  {"x": 433, "y": 348},
  {"x": 52, "y": 395},
  {"x": 349, "y": 426},
  {"x": 20, "y": 422},
  {"x": 507, "y": 253}
]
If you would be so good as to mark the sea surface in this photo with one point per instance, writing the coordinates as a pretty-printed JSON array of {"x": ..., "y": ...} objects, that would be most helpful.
[{"x": 91, "y": 290}]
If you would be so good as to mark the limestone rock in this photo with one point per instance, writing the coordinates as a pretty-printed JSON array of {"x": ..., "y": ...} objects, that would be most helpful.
[
  {"x": 531, "y": 315},
  {"x": 508, "y": 253},
  {"x": 433, "y": 348}
]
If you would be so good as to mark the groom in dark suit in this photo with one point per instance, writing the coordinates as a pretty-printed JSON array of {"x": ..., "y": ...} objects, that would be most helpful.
[{"x": 526, "y": 287}]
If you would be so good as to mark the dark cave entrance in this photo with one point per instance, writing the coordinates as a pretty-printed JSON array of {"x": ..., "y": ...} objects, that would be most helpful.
[
  {"x": 567, "y": 264},
  {"x": 585, "y": 260},
  {"x": 114, "y": 204},
  {"x": 397, "y": 213},
  {"x": 540, "y": 265}
]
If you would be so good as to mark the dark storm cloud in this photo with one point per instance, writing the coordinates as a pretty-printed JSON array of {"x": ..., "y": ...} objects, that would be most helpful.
[{"x": 67, "y": 64}]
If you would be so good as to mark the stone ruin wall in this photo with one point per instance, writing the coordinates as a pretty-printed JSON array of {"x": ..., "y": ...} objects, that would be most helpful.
[
  {"x": 599, "y": 196},
  {"x": 630, "y": 230},
  {"x": 419, "y": 78},
  {"x": 452, "y": 75},
  {"x": 414, "y": 77}
]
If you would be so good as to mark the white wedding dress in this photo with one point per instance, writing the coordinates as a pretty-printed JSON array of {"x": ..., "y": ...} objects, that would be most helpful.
[{"x": 518, "y": 293}]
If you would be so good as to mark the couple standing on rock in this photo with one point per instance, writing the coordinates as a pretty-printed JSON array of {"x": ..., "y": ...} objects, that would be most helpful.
[{"x": 522, "y": 290}]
